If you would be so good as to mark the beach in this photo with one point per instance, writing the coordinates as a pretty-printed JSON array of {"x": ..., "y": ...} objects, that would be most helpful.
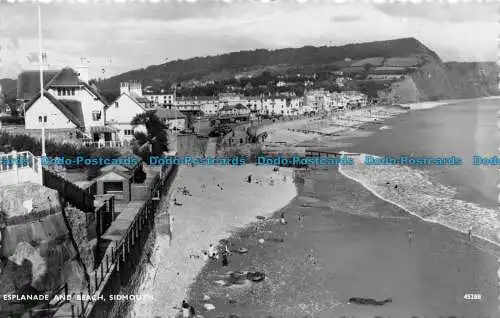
[
  {"x": 220, "y": 202},
  {"x": 353, "y": 240},
  {"x": 340, "y": 253}
]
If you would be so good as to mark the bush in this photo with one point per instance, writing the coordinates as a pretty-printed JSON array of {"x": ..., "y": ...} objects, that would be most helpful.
[
  {"x": 12, "y": 120},
  {"x": 28, "y": 143},
  {"x": 140, "y": 175}
]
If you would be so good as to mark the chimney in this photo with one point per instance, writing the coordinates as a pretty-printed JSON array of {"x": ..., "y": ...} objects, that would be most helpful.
[
  {"x": 136, "y": 88},
  {"x": 83, "y": 73},
  {"x": 124, "y": 88}
]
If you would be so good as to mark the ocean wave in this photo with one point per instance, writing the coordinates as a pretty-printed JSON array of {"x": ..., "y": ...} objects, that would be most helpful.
[{"x": 428, "y": 200}]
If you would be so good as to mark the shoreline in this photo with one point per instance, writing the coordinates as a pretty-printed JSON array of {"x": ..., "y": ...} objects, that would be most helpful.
[
  {"x": 368, "y": 187},
  {"x": 366, "y": 260},
  {"x": 205, "y": 216}
]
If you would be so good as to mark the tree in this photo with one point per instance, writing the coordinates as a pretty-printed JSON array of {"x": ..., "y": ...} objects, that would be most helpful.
[{"x": 155, "y": 141}]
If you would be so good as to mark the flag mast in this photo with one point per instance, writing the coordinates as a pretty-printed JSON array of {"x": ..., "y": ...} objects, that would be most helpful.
[{"x": 40, "y": 57}]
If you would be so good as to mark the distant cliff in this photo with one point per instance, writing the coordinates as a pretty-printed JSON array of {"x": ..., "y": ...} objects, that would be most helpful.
[{"x": 432, "y": 78}]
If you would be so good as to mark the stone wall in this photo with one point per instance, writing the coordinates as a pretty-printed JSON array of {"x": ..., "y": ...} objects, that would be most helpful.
[
  {"x": 83, "y": 226},
  {"x": 37, "y": 254}
]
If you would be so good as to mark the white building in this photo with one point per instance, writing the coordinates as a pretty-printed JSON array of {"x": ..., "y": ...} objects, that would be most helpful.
[
  {"x": 70, "y": 103},
  {"x": 120, "y": 113},
  {"x": 174, "y": 119},
  {"x": 160, "y": 98}
]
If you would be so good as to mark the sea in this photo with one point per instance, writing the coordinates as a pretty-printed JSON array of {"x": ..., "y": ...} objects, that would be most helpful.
[{"x": 463, "y": 129}]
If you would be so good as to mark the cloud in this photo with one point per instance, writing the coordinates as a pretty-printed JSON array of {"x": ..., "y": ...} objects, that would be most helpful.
[
  {"x": 136, "y": 35},
  {"x": 443, "y": 12},
  {"x": 346, "y": 18}
]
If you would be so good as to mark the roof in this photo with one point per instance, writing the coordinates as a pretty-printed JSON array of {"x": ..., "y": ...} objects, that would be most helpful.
[
  {"x": 102, "y": 129},
  {"x": 95, "y": 91},
  {"x": 114, "y": 169},
  {"x": 28, "y": 83},
  {"x": 157, "y": 92},
  {"x": 66, "y": 77},
  {"x": 141, "y": 99},
  {"x": 169, "y": 113},
  {"x": 72, "y": 109}
]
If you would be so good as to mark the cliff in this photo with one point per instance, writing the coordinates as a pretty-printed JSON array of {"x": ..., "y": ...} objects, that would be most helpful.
[
  {"x": 37, "y": 250},
  {"x": 432, "y": 78}
]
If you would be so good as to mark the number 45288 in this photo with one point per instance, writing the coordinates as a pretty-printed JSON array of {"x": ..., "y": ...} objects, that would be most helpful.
[{"x": 472, "y": 296}]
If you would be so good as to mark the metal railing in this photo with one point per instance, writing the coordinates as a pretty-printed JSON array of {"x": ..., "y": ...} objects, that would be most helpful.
[
  {"x": 103, "y": 144},
  {"x": 118, "y": 249},
  {"x": 22, "y": 159}
]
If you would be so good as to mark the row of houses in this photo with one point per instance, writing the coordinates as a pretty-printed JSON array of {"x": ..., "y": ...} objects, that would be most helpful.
[{"x": 74, "y": 107}]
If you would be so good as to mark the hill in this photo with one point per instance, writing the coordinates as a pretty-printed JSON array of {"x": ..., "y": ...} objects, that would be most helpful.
[{"x": 429, "y": 79}]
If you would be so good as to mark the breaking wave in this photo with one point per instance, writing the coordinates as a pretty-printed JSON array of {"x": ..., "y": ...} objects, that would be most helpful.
[{"x": 430, "y": 201}]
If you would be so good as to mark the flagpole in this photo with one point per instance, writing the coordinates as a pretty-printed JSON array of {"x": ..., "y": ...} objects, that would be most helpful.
[{"x": 41, "y": 71}]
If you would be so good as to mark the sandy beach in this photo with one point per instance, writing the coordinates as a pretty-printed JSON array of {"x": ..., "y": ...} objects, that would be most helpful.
[
  {"x": 205, "y": 217},
  {"x": 350, "y": 244}
]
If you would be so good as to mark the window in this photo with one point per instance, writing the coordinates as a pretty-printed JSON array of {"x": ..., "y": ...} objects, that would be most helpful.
[
  {"x": 64, "y": 91},
  {"x": 96, "y": 115},
  {"x": 40, "y": 119},
  {"x": 128, "y": 132},
  {"x": 58, "y": 92},
  {"x": 44, "y": 119},
  {"x": 73, "y": 91}
]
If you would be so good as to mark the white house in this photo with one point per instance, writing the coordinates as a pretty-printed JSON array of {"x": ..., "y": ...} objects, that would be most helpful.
[
  {"x": 173, "y": 118},
  {"x": 121, "y": 112},
  {"x": 161, "y": 97},
  {"x": 70, "y": 103}
]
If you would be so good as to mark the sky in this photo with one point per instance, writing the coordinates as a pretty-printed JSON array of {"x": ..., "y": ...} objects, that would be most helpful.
[{"x": 115, "y": 38}]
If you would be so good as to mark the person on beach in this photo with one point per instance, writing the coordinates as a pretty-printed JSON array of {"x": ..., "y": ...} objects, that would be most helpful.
[
  {"x": 170, "y": 228},
  {"x": 185, "y": 309},
  {"x": 470, "y": 234},
  {"x": 282, "y": 218},
  {"x": 212, "y": 252},
  {"x": 225, "y": 261},
  {"x": 205, "y": 256},
  {"x": 410, "y": 235},
  {"x": 249, "y": 179},
  {"x": 192, "y": 312}
]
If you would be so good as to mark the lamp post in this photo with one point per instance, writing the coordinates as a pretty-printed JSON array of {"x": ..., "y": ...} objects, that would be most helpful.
[{"x": 41, "y": 70}]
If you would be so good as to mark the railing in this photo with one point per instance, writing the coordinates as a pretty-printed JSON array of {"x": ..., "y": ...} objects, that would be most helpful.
[
  {"x": 21, "y": 159},
  {"x": 17, "y": 167},
  {"x": 103, "y": 144},
  {"x": 70, "y": 192},
  {"x": 51, "y": 304},
  {"x": 119, "y": 249}
]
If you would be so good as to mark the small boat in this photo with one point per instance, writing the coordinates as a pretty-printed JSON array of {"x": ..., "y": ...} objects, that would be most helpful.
[
  {"x": 242, "y": 250},
  {"x": 256, "y": 276}
]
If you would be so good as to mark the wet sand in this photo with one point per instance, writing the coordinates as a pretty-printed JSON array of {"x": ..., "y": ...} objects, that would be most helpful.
[{"x": 352, "y": 244}]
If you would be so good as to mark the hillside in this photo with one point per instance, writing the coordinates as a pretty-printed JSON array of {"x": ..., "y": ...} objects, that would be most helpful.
[
  {"x": 429, "y": 78},
  {"x": 306, "y": 59}
]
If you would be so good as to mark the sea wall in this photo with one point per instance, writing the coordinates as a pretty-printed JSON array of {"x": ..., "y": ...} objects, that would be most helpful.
[{"x": 37, "y": 253}]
